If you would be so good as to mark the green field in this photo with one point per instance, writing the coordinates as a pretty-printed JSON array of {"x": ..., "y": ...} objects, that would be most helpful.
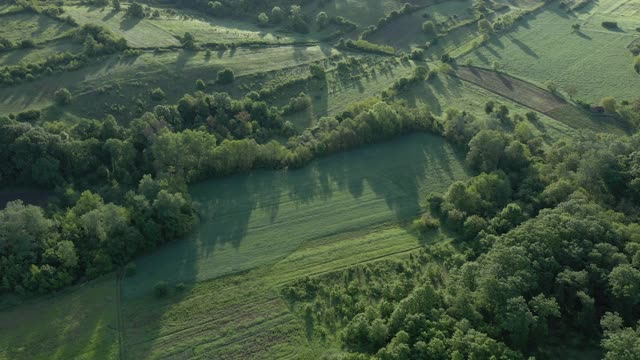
[
  {"x": 543, "y": 48},
  {"x": 175, "y": 72},
  {"x": 78, "y": 324},
  {"x": 258, "y": 219},
  {"x": 279, "y": 225},
  {"x": 38, "y": 54},
  {"x": 31, "y": 26},
  {"x": 163, "y": 31}
]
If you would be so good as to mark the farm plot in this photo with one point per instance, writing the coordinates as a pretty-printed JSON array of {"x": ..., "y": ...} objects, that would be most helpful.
[
  {"x": 537, "y": 99},
  {"x": 78, "y": 324},
  {"x": 175, "y": 72},
  {"x": 31, "y": 26},
  {"x": 543, "y": 48},
  {"x": 259, "y": 219}
]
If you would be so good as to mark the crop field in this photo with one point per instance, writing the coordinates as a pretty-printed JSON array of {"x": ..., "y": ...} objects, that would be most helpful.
[
  {"x": 31, "y": 26},
  {"x": 544, "y": 49}
]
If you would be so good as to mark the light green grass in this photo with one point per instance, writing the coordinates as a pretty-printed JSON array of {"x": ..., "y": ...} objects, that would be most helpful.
[
  {"x": 334, "y": 96},
  {"x": 38, "y": 54},
  {"x": 361, "y": 12},
  {"x": 259, "y": 219},
  {"x": 543, "y": 48},
  {"x": 175, "y": 72},
  {"x": 31, "y": 26},
  {"x": 164, "y": 30},
  {"x": 80, "y": 324}
]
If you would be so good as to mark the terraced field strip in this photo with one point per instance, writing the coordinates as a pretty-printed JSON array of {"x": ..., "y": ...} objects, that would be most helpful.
[
  {"x": 516, "y": 90},
  {"x": 537, "y": 99},
  {"x": 175, "y": 72}
]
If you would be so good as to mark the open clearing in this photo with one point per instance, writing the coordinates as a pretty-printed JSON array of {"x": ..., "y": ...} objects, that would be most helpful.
[
  {"x": 258, "y": 219},
  {"x": 543, "y": 47},
  {"x": 175, "y": 72},
  {"x": 31, "y": 26},
  {"x": 163, "y": 31},
  {"x": 43, "y": 328},
  {"x": 341, "y": 210}
]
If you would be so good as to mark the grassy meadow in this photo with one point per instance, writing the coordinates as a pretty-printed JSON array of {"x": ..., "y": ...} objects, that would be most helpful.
[
  {"x": 543, "y": 47},
  {"x": 31, "y": 26},
  {"x": 117, "y": 80}
]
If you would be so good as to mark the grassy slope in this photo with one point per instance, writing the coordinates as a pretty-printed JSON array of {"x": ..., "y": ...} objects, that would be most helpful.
[
  {"x": 175, "y": 72},
  {"x": 162, "y": 31},
  {"x": 40, "y": 53},
  {"x": 543, "y": 48},
  {"x": 339, "y": 91},
  {"x": 80, "y": 324},
  {"x": 258, "y": 219},
  {"x": 341, "y": 210},
  {"x": 31, "y": 26}
]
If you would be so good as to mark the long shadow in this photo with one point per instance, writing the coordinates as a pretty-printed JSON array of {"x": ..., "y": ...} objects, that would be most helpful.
[
  {"x": 129, "y": 23},
  {"x": 524, "y": 47}
]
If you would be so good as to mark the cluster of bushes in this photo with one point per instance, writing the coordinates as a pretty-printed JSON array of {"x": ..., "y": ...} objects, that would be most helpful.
[
  {"x": 97, "y": 41},
  {"x": 612, "y": 25},
  {"x": 364, "y": 45},
  {"x": 405, "y": 10}
]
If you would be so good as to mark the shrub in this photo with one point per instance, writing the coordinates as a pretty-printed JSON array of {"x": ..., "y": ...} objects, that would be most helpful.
[
  {"x": 62, "y": 96},
  {"x": 322, "y": 20},
  {"x": 130, "y": 269},
  {"x": 317, "y": 71},
  {"x": 426, "y": 223},
  {"x": 225, "y": 76},
  {"x": 28, "y": 116},
  {"x": 157, "y": 94},
  {"x": 200, "y": 85},
  {"x": 609, "y": 104},
  {"x": 263, "y": 19},
  {"x": 135, "y": 10},
  {"x": 161, "y": 289},
  {"x": 428, "y": 27},
  {"x": 180, "y": 287},
  {"x": 277, "y": 15},
  {"x": 609, "y": 24}
]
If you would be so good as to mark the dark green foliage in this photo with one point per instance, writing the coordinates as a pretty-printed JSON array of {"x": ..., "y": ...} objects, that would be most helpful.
[
  {"x": 161, "y": 289},
  {"x": 157, "y": 94},
  {"x": 610, "y": 24},
  {"x": 225, "y": 76},
  {"x": 135, "y": 10},
  {"x": 62, "y": 97}
]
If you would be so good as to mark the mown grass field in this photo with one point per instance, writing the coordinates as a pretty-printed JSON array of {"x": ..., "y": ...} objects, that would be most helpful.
[
  {"x": 78, "y": 324},
  {"x": 259, "y": 231},
  {"x": 259, "y": 219},
  {"x": 31, "y": 26},
  {"x": 164, "y": 30},
  {"x": 543, "y": 48}
]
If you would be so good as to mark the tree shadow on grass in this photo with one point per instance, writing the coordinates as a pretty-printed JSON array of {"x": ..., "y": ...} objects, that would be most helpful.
[{"x": 129, "y": 22}]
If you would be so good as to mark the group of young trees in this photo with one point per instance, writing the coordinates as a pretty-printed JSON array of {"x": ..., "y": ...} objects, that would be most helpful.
[{"x": 548, "y": 248}]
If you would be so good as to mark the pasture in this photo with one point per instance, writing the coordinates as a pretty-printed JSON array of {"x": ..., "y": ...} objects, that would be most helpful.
[
  {"x": 543, "y": 48},
  {"x": 175, "y": 72},
  {"x": 21, "y": 26}
]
